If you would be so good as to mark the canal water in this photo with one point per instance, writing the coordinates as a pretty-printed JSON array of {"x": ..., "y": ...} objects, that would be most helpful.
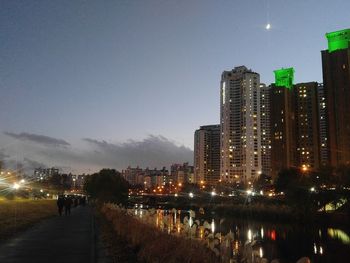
[{"x": 246, "y": 240}]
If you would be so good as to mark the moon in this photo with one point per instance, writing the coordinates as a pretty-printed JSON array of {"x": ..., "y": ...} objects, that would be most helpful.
[{"x": 268, "y": 26}]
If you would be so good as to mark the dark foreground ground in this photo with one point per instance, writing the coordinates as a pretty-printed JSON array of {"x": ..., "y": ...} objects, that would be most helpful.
[{"x": 60, "y": 239}]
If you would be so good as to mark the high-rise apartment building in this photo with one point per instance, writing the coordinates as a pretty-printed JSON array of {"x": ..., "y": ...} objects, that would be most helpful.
[
  {"x": 294, "y": 124},
  {"x": 307, "y": 125},
  {"x": 240, "y": 125},
  {"x": 265, "y": 129},
  {"x": 336, "y": 81},
  {"x": 207, "y": 154},
  {"x": 282, "y": 117},
  {"x": 323, "y": 126}
]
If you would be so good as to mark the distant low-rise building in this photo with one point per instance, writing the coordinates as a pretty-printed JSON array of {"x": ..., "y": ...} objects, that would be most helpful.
[
  {"x": 45, "y": 173},
  {"x": 182, "y": 173}
]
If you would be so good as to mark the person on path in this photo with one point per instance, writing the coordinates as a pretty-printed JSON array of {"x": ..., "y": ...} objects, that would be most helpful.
[
  {"x": 60, "y": 204},
  {"x": 67, "y": 205}
]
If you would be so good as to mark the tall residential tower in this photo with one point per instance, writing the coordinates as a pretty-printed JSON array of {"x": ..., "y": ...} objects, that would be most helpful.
[
  {"x": 265, "y": 129},
  {"x": 240, "y": 125},
  {"x": 207, "y": 154},
  {"x": 336, "y": 81}
]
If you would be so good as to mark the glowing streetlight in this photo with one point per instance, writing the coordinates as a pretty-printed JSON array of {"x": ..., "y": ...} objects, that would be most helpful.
[
  {"x": 268, "y": 26},
  {"x": 22, "y": 181},
  {"x": 213, "y": 193},
  {"x": 304, "y": 168},
  {"x": 190, "y": 195},
  {"x": 15, "y": 186}
]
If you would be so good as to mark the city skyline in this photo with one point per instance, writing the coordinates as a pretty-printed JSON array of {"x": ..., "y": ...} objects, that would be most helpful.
[{"x": 111, "y": 94}]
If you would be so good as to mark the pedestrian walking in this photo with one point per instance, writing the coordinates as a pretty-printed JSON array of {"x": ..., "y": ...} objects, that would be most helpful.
[
  {"x": 67, "y": 205},
  {"x": 60, "y": 204}
]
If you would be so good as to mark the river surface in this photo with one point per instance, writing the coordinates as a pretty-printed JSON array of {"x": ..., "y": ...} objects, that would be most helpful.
[{"x": 246, "y": 240}]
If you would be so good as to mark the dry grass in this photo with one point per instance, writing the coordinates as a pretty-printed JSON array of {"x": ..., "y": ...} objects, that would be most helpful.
[
  {"x": 154, "y": 245},
  {"x": 17, "y": 215}
]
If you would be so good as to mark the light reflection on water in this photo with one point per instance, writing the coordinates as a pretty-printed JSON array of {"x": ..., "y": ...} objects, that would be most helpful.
[{"x": 239, "y": 240}]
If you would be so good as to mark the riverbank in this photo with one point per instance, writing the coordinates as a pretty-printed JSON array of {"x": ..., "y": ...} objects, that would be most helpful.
[
  {"x": 152, "y": 245},
  {"x": 115, "y": 248},
  {"x": 20, "y": 214}
]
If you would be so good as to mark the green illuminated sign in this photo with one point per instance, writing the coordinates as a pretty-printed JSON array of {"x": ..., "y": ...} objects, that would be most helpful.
[
  {"x": 338, "y": 40},
  {"x": 284, "y": 77}
]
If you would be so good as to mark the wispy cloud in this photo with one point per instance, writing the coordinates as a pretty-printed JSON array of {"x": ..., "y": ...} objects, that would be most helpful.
[{"x": 40, "y": 139}]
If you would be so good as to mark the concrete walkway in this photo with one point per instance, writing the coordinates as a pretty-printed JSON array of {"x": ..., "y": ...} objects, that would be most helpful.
[{"x": 65, "y": 239}]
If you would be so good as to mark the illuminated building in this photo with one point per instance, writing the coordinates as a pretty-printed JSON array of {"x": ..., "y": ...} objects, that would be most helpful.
[
  {"x": 240, "y": 125},
  {"x": 307, "y": 125},
  {"x": 336, "y": 81},
  {"x": 182, "y": 173},
  {"x": 45, "y": 173},
  {"x": 207, "y": 154},
  {"x": 323, "y": 126},
  {"x": 282, "y": 116},
  {"x": 265, "y": 129},
  {"x": 295, "y": 122}
]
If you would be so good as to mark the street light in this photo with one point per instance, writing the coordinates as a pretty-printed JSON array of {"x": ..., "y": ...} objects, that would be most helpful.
[
  {"x": 191, "y": 195},
  {"x": 16, "y": 186},
  {"x": 304, "y": 168}
]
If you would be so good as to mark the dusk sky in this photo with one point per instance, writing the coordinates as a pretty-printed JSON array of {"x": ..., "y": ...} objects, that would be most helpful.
[{"x": 92, "y": 84}]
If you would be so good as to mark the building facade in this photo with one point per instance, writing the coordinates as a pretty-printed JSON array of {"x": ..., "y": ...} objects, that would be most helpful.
[
  {"x": 295, "y": 127},
  {"x": 207, "y": 154},
  {"x": 265, "y": 129},
  {"x": 307, "y": 125},
  {"x": 282, "y": 117},
  {"x": 182, "y": 173},
  {"x": 45, "y": 173},
  {"x": 240, "y": 125},
  {"x": 323, "y": 126},
  {"x": 336, "y": 81}
]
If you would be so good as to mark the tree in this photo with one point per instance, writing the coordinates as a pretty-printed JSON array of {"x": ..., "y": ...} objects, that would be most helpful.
[
  {"x": 324, "y": 176},
  {"x": 343, "y": 175},
  {"x": 287, "y": 179},
  {"x": 107, "y": 186},
  {"x": 262, "y": 182},
  {"x": 294, "y": 184}
]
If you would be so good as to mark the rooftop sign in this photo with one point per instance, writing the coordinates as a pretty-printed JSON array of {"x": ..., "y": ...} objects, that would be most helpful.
[
  {"x": 338, "y": 40},
  {"x": 284, "y": 77}
]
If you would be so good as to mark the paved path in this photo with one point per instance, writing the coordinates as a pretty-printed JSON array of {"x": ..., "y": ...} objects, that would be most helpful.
[{"x": 65, "y": 239}]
